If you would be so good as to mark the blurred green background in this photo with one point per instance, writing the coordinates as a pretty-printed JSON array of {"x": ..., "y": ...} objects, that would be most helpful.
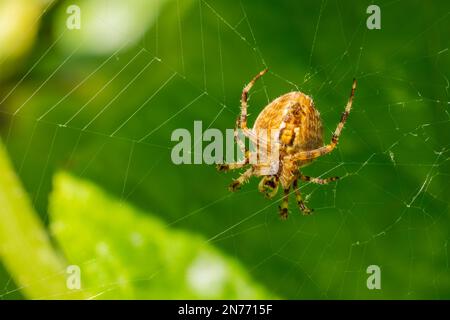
[{"x": 101, "y": 102}]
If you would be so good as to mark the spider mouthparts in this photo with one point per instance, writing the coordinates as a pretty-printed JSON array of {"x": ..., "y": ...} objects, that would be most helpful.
[{"x": 269, "y": 192}]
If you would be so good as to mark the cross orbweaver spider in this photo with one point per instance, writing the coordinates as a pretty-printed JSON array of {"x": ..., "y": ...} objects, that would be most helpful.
[{"x": 298, "y": 140}]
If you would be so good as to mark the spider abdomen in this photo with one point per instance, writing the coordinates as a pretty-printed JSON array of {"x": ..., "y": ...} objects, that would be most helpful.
[{"x": 297, "y": 120}]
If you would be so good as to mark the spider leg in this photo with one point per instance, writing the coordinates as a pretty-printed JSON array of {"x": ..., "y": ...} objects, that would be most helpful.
[
  {"x": 312, "y": 154},
  {"x": 244, "y": 101},
  {"x": 238, "y": 140},
  {"x": 231, "y": 166},
  {"x": 283, "y": 207},
  {"x": 237, "y": 165},
  {"x": 298, "y": 197},
  {"x": 317, "y": 180},
  {"x": 243, "y": 178},
  {"x": 268, "y": 186}
]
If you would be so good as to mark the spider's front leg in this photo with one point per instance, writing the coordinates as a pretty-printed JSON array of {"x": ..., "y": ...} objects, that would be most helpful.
[
  {"x": 243, "y": 178},
  {"x": 235, "y": 165},
  {"x": 241, "y": 124},
  {"x": 242, "y": 121},
  {"x": 242, "y": 148},
  {"x": 230, "y": 166},
  {"x": 298, "y": 197}
]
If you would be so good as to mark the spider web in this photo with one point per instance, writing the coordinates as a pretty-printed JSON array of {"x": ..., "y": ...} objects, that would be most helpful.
[{"x": 390, "y": 206}]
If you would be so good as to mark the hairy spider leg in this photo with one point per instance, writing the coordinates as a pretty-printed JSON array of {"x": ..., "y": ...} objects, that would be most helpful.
[
  {"x": 243, "y": 178},
  {"x": 239, "y": 142},
  {"x": 244, "y": 103},
  {"x": 317, "y": 180},
  {"x": 230, "y": 166},
  {"x": 298, "y": 198},
  {"x": 283, "y": 207},
  {"x": 241, "y": 123},
  {"x": 312, "y": 154}
]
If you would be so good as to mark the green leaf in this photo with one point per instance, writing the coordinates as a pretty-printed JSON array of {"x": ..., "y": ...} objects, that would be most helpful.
[
  {"x": 125, "y": 253},
  {"x": 25, "y": 249}
]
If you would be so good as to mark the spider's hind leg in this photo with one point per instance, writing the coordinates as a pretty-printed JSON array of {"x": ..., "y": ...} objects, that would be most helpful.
[
  {"x": 268, "y": 186},
  {"x": 298, "y": 197}
]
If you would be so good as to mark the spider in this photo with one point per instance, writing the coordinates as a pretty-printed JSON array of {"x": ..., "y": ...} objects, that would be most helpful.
[{"x": 298, "y": 140}]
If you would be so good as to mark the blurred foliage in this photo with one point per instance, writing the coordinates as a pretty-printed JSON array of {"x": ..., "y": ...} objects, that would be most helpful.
[
  {"x": 108, "y": 28},
  {"x": 19, "y": 24},
  {"x": 23, "y": 238},
  {"x": 136, "y": 255},
  {"x": 87, "y": 114}
]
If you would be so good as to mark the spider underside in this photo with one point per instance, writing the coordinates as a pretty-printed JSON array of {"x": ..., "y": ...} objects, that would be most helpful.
[{"x": 299, "y": 141}]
